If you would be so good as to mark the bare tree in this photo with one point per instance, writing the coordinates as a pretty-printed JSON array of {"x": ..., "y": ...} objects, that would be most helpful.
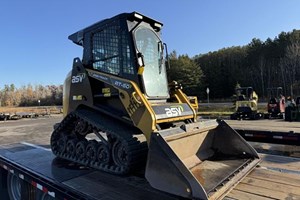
[
  {"x": 261, "y": 65},
  {"x": 30, "y": 96},
  {"x": 290, "y": 65}
]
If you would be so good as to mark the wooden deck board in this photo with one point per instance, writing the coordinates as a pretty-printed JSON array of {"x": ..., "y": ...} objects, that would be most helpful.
[
  {"x": 241, "y": 195},
  {"x": 280, "y": 162},
  {"x": 277, "y": 177},
  {"x": 271, "y": 185},
  {"x": 266, "y": 192}
]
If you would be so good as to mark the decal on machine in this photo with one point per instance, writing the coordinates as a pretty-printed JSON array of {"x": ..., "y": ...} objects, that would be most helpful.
[
  {"x": 77, "y": 98},
  {"x": 174, "y": 111},
  {"x": 133, "y": 106},
  {"x": 123, "y": 85},
  {"x": 98, "y": 76},
  {"x": 78, "y": 78},
  {"x": 106, "y": 92}
]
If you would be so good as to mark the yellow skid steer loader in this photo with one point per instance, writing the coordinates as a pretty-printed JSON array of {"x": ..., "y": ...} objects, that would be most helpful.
[{"x": 119, "y": 92}]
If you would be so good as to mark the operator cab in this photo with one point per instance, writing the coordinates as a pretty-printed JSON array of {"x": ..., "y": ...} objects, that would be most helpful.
[
  {"x": 128, "y": 46},
  {"x": 244, "y": 93}
]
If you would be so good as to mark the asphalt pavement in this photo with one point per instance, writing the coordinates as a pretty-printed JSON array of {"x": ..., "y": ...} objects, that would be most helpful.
[{"x": 34, "y": 131}]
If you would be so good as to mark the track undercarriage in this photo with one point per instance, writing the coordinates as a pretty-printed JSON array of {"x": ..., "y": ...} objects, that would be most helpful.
[{"x": 117, "y": 150}]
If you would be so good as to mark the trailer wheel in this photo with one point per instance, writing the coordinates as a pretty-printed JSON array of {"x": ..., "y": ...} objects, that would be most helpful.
[
  {"x": 43, "y": 196},
  {"x": 46, "y": 197},
  {"x": 13, "y": 187}
]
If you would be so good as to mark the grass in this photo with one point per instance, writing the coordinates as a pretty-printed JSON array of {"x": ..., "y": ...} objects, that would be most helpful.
[{"x": 217, "y": 110}]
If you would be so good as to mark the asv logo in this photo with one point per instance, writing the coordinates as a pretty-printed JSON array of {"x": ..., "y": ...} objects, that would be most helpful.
[
  {"x": 78, "y": 79},
  {"x": 174, "y": 111}
]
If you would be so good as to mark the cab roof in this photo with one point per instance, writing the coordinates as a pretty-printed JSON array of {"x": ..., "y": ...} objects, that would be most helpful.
[{"x": 77, "y": 37}]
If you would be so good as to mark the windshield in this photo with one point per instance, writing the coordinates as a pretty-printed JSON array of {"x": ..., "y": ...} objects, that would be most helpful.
[{"x": 154, "y": 75}]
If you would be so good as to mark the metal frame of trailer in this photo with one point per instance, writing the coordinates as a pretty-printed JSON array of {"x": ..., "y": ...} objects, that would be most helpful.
[
  {"x": 275, "y": 137},
  {"x": 277, "y": 177},
  {"x": 40, "y": 172}
]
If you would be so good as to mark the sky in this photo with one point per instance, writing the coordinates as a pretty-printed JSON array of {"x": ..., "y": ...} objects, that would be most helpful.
[{"x": 34, "y": 34}]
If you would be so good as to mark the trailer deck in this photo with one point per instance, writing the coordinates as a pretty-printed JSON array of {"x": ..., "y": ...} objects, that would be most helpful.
[
  {"x": 77, "y": 181},
  {"x": 275, "y": 131},
  {"x": 277, "y": 177}
]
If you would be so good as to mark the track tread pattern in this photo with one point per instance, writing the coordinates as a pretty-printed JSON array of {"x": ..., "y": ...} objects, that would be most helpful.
[{"x": 123, "y": 133}]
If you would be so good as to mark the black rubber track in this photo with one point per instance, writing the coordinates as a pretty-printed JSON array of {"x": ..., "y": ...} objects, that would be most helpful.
[{"x": 118, "y": 134}]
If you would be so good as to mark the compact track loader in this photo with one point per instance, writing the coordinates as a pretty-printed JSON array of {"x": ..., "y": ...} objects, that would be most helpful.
[
  {"x": 246, "y": 104},
  {"x": 118, "y": 93}
]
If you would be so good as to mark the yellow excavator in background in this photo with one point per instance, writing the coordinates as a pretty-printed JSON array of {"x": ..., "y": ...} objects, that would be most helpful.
[{"x": 118, "y": 92}]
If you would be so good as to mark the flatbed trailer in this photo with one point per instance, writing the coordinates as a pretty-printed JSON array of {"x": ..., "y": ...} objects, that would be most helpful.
[
  {"x": 39, "y": 175},
  {"x": 39, "y": 172},
  {"x": 275, "y": 131}
]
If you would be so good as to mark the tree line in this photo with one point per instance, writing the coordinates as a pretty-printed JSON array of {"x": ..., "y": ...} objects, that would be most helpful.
[
  {"x": 29, "y": 95},
  {"x": 260, "y": 64}
]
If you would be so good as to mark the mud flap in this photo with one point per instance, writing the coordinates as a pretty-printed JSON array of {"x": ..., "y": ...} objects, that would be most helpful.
[{"x": 203, "y": 160}]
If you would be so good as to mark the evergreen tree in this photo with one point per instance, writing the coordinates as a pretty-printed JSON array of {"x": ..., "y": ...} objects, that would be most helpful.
[{"x": 186, "y": 72}]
